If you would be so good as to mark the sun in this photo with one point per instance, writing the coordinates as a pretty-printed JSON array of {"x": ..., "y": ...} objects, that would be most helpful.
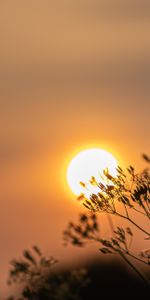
[{"x": 88, "y": 163}]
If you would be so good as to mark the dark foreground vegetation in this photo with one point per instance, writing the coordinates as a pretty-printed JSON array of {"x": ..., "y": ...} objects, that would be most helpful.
[
  {"x": 37, "y": 278},
  {"x": 102, "y": 280}
]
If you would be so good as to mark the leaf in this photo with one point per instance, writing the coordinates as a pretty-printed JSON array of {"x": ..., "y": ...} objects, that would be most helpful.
[
  {"x": 37, "y": 250},
  {"x": 106, "y": 243},
  {"x": 29, "y": 257},
  {"x": 105, "y": 250},
  {"x": 83, "y": 184},
  {"x": 115, "y": 242},
  {"x": 146, "y": 158},
  {"x": 83, "y": 218},
  {"x": 130, "y": 169},
  {"x": 81, "y": 197},
  {"x": 129, "y": 231},
  {"x": 86, "y": 205}
]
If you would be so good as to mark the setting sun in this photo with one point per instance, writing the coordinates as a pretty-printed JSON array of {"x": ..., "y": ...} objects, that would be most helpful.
[{"x": 88, "y": 163}]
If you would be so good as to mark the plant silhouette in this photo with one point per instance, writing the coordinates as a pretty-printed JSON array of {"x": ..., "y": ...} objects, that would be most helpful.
[
  {"x": 126, "y": 192},
  {"x": 35, "y": 274},
  {"x": 37, "y": 278}
]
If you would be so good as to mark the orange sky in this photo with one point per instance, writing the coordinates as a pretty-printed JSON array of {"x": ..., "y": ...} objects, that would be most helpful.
[{"x": 71, "y": 75}]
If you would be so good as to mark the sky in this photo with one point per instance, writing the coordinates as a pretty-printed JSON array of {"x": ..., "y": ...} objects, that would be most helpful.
[{"x": 73, "y": 74}]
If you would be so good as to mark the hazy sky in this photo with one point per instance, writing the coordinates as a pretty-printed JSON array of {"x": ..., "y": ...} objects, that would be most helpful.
[{"x": 72, "y": 74}]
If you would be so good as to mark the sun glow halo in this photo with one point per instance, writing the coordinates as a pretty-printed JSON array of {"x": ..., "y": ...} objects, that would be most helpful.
[{"x": 88, "y": 163}]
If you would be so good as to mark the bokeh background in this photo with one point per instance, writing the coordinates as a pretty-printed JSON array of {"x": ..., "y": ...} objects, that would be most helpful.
[{"x": 73, "y": 74}]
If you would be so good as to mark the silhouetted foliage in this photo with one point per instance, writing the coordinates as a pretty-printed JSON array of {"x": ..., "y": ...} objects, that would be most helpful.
[
  {"x": 38, "y": 281},
  {"x": 35, "y": 273},
  {"x": 117, "y": 196}
]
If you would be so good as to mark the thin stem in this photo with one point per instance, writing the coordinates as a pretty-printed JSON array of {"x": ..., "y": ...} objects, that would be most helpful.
[
  {"x": 139, "y": 227},
  {"x": 131, "y": 240},
  {"x": 148, "y": 205},
  {"x": 147, "y": 201},
  {"x": 135, "y": 269},
  {"x": 139, "y": 211},
  {"x": 127, "y": 214},
  {"x": 135, "y": 257},
  {"x": 110, "y": 223},
  {"x": 126, "y": 246},
  {"x": 130, "y": 220},
  {"x": 113, "y": 204},
  {"x": 145, "y": 209}
]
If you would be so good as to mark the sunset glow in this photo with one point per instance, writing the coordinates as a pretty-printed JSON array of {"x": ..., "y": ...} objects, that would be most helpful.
[
  {"x": 74, "y": 109},
  {"x": 88, "y": 163}
]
